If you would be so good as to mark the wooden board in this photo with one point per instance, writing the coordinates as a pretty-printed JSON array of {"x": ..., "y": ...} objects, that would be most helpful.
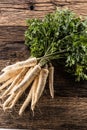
[{"x": 68, "y": 110}]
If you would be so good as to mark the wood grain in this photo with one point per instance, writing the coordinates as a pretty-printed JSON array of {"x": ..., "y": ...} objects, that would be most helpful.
[
  {"x": 65, "y": 113},
  {"x": 68, "y": 110},
  {"x": 14, "y": 12}
]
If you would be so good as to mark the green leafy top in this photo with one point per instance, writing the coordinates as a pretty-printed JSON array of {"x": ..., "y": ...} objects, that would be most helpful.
[{"x": 60, "y": 35}]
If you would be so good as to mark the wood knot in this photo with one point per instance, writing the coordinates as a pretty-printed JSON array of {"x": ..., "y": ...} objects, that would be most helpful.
[
  {"x": 31, "y": 4},
  {"x": 31, "y": 7}
]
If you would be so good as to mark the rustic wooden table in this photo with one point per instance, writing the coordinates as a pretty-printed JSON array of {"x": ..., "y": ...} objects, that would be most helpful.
[{"x": 68, "y": 110}]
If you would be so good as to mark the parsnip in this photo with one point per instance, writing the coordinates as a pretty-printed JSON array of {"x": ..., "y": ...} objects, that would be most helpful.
[
  {"x": 19, "y": 77},
  {"x": 14, "y": 100},
  {"x": 3, "y": 86},
  {"x": 25, "y": 76},
  {"x": 26, "y": 102},
  {"x": 16, "y": 81},
  {"x": 34, "y": 88},
  {"x": 27, "y": 63},
  {"x": 8, "y": 74},
  {"x": 8, "y": 90},
  {"x": 51, "y": 80},
  {"x": 8, "y": 101},
  {"x": 29, "y": 97},
  {"x": 12, "y": 95},
  {"x": 41, "y": 85},
  {"x": 28, "y": 80}
]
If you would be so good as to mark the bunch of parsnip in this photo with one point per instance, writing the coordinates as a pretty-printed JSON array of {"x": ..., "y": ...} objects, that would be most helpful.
[
  {"x": 18, "y": 77},
  {"x": 60, "y": 36}
]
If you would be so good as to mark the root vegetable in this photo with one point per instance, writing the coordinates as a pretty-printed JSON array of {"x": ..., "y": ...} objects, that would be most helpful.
[
  {"x": 51, "y": 80},
  {"x": 17, "y": 96},
  {"x": 8, "y": 82},
  {"x": 19, "y": 78},
  {"x": 26, "y": 102},
  {"x": 15, "y": 82},
  {"x": 8, "y": 74},
  {"x": 13, "y": 88},
  {"x": 28, "y": 80},
  {"x": 14, "y": 100},
  {"x": 30, "y": 96},
  {"x": 27, "y": 63},
  {"x": 34, "y": 88},
  {"x": 28, "y": 72},
  {"x": 6, "y": 103},
  {"x": 41, "y": 85}
]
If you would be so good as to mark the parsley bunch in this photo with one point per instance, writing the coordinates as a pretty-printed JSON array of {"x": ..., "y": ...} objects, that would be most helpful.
[{"x": 60, "y": 35}]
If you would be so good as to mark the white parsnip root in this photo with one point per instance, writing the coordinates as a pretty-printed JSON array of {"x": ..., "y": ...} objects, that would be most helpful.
[
  {"x": 51, "y": 80},
  {"x": 29, "y": 97},
  {"x": 29, "y": 75},
  {"x": 8, "y": 74},
  {"x": 28, "y": 80},
  {"x": 27, "y": 63},
  {"x": 6, "y": 84},
  {"x": 40, "y": 87}
]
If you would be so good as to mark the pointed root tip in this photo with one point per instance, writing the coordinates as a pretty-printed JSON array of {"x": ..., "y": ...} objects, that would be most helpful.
[
  {"x": 33, "y": 107},
  {"x": 20, "y": 113},
  {"x": 52, "y": 96}
]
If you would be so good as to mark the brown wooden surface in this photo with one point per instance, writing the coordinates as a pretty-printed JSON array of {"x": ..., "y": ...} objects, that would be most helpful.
[{"x": 68, "y": 110}]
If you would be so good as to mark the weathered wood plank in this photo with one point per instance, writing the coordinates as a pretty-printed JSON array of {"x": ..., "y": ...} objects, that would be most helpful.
[
  {"x": 68, "y": 110},
  {"x": 11, "y": 34},
  {"x": 16, "y": 12},
  {"x": 63, "y": 113},
  {"x": 79, "y": 1}
]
